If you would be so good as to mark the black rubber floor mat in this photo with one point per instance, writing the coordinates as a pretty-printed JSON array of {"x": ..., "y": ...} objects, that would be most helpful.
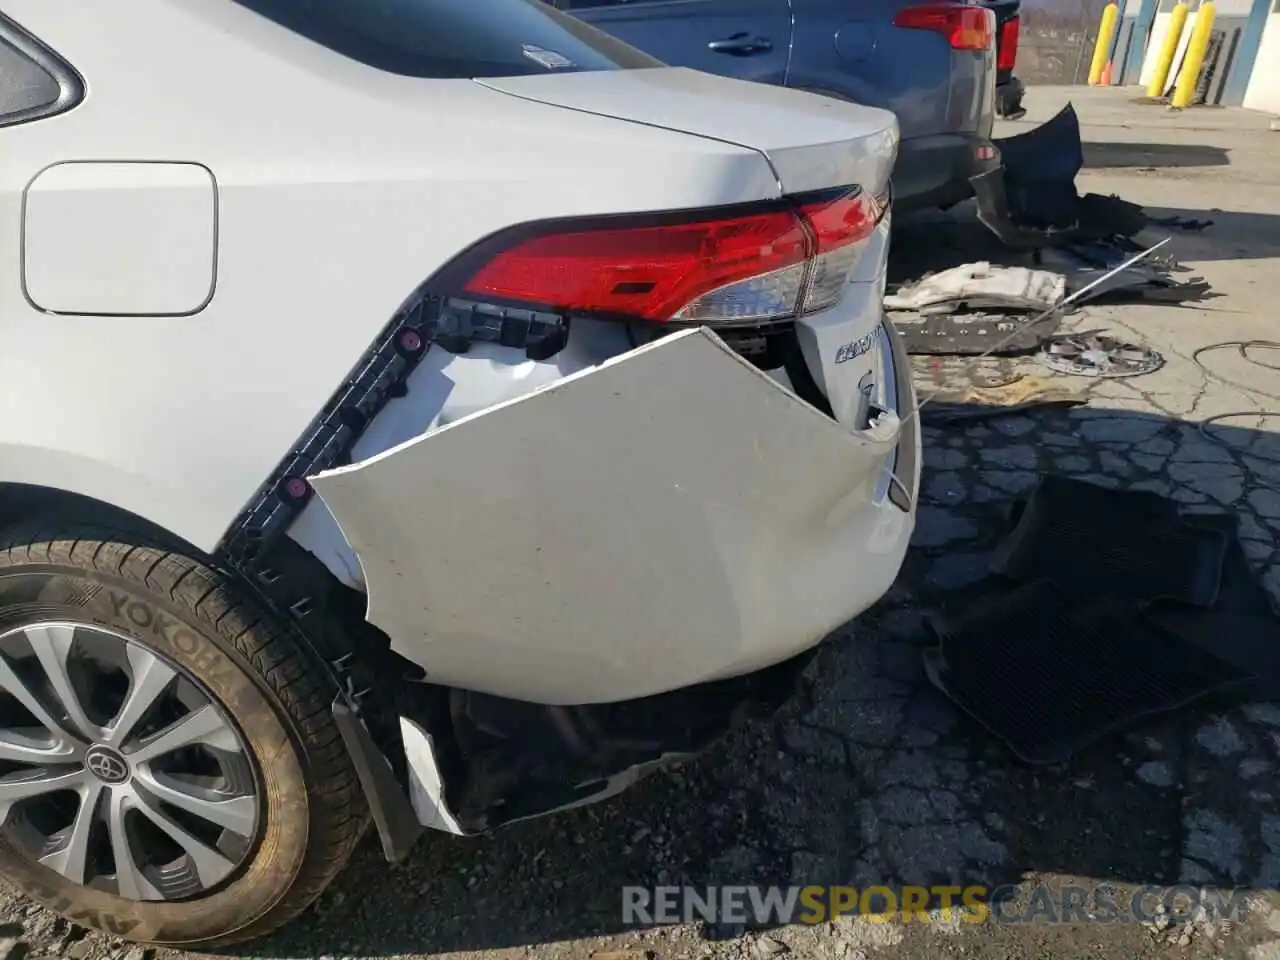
[
  {"x": 1094, "y": 541},
  {"x": 1049, "y": 675},
  {"x": 1242, "y": 627}
]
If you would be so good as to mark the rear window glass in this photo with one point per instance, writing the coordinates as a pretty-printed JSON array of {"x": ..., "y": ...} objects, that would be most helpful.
[
  {"x": 455, "y": 39},
  {"x": 24, "y": 84}
]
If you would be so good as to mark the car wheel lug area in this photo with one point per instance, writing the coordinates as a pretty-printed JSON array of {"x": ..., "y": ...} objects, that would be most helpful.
[{"x": 107, "y": 765}]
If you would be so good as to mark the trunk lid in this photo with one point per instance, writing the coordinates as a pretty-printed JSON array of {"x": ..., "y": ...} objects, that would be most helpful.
[{"x": 811, "y": 142}]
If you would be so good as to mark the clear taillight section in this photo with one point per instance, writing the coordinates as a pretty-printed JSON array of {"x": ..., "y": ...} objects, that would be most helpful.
[
  {"x": 841, "y": 227},
  {"x": 766, "y": 297},
  {"x": 770, "y": 262}
]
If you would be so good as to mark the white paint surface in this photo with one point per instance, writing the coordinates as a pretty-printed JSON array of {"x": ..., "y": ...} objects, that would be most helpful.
[
  {"x": 341, "y": 188},
  {"x": 129, "y": 239},
  {"x": 670, "y": 517},
  {"x": 1263, "y": 92},
  {"x": 1159, "y": 30}
]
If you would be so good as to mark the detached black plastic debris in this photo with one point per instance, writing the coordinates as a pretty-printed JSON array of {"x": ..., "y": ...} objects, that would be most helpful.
[
  {"x": 1242, "y": 626},
  {"x": 1030, "y": 201},
  {"x": 973, "y": 334},
  {"x": 1180, "y": 223},
  {"x": 1049, "y": 672},
  {"x": 1086, "y": 266},
  {"x": 1108, "y": 606}
]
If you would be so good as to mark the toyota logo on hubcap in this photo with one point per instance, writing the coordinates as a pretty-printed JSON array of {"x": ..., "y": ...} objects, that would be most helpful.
[{"x": 107, "y": 765}]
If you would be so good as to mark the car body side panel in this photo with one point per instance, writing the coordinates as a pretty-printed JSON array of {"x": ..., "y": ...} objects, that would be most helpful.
[
  {"x": 683, "y": 31},
  {"x": 340, "y": 190},
  {"x": 670, "y": 517},
  {"x": 943, "y": 99},
  {"x": 861, "y": 56}
]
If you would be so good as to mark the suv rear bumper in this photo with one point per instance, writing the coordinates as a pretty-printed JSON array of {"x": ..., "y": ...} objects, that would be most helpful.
[{"x": 935, "y": 171}]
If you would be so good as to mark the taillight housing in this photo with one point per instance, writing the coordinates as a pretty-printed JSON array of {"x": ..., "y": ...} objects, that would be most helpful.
[
  {"x": 729, "y": 266},
  {"x": 1007, "y": 48},
  {"x": 966, "y": 26}
]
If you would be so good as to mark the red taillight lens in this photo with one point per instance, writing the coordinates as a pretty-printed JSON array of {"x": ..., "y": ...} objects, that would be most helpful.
[
  {"x": 842, "y": 220},
  {"x": 649, "y": 272},
  {"x": 965, "y": 26},
  {"x": 1007, "y": 48},
  {"x": 747, "y": 267}
]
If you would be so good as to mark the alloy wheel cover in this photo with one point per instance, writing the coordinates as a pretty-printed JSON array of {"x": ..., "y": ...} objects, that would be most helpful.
[{"x": 118, "y": 769}]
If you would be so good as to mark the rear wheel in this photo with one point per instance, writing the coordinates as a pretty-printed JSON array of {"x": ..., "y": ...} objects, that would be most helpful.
[{"x": 169, "y": 767}]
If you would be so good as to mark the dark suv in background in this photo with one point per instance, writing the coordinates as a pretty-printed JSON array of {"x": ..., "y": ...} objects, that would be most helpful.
[{"x": 935, "y": 65}]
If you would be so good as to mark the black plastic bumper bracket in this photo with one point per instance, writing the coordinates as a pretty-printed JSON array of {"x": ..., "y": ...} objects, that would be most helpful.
[{"x": 393, "y": 814}]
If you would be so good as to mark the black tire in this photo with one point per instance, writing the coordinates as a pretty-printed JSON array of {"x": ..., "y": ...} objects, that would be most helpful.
[{"x": 258, "y": 671}]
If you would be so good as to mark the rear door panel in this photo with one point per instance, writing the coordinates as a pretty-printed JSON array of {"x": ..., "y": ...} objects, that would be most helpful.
[
  {"x": 869, "y": 60},
  {"x": 755, "y": 35},
  {"x": 857, "y": 53}
]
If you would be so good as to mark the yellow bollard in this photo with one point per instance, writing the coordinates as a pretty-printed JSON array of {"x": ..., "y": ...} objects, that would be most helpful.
[
  {"x": 1177, "y": 20},
  {"x": 1191, "y": 63},
  {"x": 1102, "y": 49}
]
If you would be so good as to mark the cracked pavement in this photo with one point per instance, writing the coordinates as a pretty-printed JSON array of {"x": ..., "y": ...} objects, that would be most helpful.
[{"x": 872, "y": 777}]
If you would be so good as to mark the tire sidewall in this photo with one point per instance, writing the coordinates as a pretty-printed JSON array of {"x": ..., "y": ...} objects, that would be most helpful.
[{"x": 29, "y": 593}]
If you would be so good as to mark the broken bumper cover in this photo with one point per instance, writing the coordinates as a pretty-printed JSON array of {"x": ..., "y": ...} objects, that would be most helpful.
[
  {"x": 669, "y": 518},
  {"x": 1030, "y": 201}
]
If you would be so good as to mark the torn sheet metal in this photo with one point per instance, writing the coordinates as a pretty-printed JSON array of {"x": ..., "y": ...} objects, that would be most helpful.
[
  {"x": 978, "y": 286},
  {"x": 667, "y": 518}
]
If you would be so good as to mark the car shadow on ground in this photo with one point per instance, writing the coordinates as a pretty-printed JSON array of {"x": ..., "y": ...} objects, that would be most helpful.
[
  {"x": 870, "y": 776},
  {"x": 1103, "y": 155},
  {"x": 1232, "y": 235}
]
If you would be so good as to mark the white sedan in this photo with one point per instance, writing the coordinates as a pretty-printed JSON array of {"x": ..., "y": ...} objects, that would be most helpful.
[{"x": 432, "y": 412}]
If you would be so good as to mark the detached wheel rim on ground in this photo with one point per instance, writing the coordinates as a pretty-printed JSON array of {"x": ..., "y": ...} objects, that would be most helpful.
[{"x": 118, "y": 770}]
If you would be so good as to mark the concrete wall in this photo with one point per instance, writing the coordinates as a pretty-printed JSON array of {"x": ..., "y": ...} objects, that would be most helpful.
[
  {"x": 1159, "y": 29},
  {"x": 1263, "y": 92}
]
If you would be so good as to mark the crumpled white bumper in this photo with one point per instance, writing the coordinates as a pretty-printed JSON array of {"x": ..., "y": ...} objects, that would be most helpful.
[{"x": 669, "y": 517}]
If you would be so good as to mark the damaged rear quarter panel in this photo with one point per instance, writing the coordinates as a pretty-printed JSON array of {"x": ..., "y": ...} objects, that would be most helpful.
[{"x": 668, "y": 517}]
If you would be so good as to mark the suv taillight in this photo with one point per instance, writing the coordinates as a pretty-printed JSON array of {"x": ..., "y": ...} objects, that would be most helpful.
[
  {"x": 1007, "y": 48},
  {"x": 966, "y": 26},
  {"x": 768, "y": 262}
]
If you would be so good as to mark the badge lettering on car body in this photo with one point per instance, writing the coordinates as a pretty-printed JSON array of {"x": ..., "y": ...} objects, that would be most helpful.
[
  {"x": 856, "y": 348},
  {"x": 546, "y": 58}
]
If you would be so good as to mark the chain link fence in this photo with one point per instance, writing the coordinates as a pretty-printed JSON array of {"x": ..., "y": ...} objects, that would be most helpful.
[
  {"x": 1056, "y": 46},
  {"x": 1052, "y": 59}
]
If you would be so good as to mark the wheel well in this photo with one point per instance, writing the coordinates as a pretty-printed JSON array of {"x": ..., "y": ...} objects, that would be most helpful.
[
  {"x": 23, "y": 501},
  {"x": 369, "y": 680},
  {"x": 296, "y": 587}
]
